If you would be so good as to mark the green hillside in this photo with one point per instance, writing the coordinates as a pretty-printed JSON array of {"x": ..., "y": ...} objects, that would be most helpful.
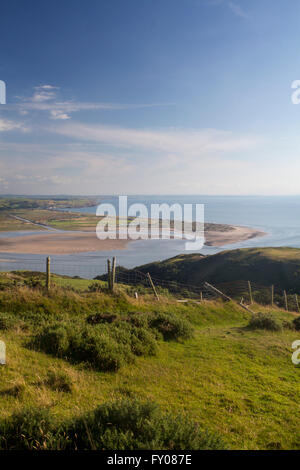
[
  {"x": 79, "y": 353},
  {"x": 265, "y": 266}
]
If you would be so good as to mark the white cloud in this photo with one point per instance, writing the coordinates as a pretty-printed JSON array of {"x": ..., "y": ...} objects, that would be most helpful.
[
  {"x": 46, "y": 87},
  {"x": 41, "y": 96},
  {"x": 6, "y": 125},
  {"x": 45, "y": 98},
  {"x": 85, "y": 168},
  {"x": 58, "y": 114},
  {"x": 179, "y": 141}
]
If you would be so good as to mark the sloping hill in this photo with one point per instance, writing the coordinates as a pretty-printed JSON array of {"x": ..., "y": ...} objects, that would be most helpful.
[
  {"x": 266, "y": 266},
  {"x": 233, "y": 381}
]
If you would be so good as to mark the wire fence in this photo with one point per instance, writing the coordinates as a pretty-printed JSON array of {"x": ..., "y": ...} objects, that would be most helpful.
[{"x": 247, "y": 292}]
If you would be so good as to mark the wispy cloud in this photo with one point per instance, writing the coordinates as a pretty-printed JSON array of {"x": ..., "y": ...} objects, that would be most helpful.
[
  {"x": 48, "y": 98},
  {"x": 184, "y": 141},
  {"x": 87, "y": 168},
  {"x": 47, "y": 87},
  {"x": 237, "y": 10},
  {"x": 58, "y": 114},
  {"x": 7, "y": 125}
]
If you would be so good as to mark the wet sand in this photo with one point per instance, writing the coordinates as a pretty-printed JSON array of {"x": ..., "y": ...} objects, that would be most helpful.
[
  {"x": 238, "y": 234},
  {"x": 64, "y": 243}
]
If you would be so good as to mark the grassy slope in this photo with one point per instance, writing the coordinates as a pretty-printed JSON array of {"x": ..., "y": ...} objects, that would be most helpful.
[
  {"x": 231, "y": 380},
  {"x": 266, "y": 266}
]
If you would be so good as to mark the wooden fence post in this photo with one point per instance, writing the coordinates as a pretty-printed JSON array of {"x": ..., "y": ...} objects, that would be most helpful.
[
  {"x": 201, "y": 296},
  {"x": 272, "y": 296},
  {"x": 153, "y": 286},
  {"x": 48, "y": 274},
  {"x": 109, "y": 274},
  {"x": 297, "y": 303},
  {"x": 221, "y": 294},
  {"x": 215, "y": 290},
  {"x": 285, "y": 301},
  {"x": 113, "y": 274},
  {"x": 250, "y": 292}
]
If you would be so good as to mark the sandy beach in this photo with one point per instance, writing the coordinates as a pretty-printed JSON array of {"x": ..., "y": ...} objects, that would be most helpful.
[
  {"x": 63, "y": 243},
  {"x": 238, "y": 234}
]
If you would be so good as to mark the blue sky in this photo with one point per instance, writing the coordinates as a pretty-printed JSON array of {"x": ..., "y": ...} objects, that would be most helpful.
[{"x": 149, "y": 97}]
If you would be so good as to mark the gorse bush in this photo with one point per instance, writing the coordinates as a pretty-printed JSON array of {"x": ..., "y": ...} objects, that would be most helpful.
[
  {"x": 54, "y": 339},
  {"x": 122, "y": 425},
  {"x": 139, "y": 319},
  {"x": 171, "y": 326},
  {"x": 102, "y": 318},
  {"x": 81, "y": 344},
  {"x": 106, "y": 342},
  {"x": 288, "y": 325},
  {"x": 131, "y": 424},
  {"x": 296, "y": 323},
  {"x": 141, "y": 340},
  {"x": 263, "y": 321},
  {"x": 97, "y": 348},
  {"x": 104, "y": 347}
]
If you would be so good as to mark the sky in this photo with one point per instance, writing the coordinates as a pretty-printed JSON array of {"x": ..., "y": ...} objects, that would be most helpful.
[{"x": 150, "y": 97}]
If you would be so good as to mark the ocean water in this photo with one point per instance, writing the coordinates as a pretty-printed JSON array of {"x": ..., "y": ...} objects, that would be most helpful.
[{"x": 278, "y": 216}]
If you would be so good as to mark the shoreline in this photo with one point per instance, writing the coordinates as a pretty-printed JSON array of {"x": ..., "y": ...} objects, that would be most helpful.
[
  {"x": 238, "y": 234},
  {"x": 67, "y": 243}
]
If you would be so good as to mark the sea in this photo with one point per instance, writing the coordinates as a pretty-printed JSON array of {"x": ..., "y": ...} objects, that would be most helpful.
[{"x": 277, "y": 216}]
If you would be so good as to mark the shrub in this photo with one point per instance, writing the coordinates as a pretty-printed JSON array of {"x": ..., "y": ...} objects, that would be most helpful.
[
  {"x": 28, "y": 429},
  {"x": 296, "y": 323},
  {"x": 82, "y": 344},
  {"x": 33, "y": 283},
  {"x": 171, "y": 326},
  {"x": 263, "y": 321},
  {"x": 7, "y": 321},
  {"x": 139, "y": 319},
  {"x": 101, "y": 318},
  {"x": 133, "y": 425},
  {"x": 59, "y": 380},
  {"x": 141, "y": 340},
  {"x": 97, "y": 348},
  {"x": 107, "y": 342},
  {"x": 289, "y": 325},
  {"x": 122, "y": 425},
  {"x": 54, "y": 339},
  {"x": 95, "y": 287}
]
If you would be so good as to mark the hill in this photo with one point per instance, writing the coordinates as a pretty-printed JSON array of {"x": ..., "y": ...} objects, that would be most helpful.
[
  {"x": 78, "y": 347},
  {"x": 265, "y": 266}
]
